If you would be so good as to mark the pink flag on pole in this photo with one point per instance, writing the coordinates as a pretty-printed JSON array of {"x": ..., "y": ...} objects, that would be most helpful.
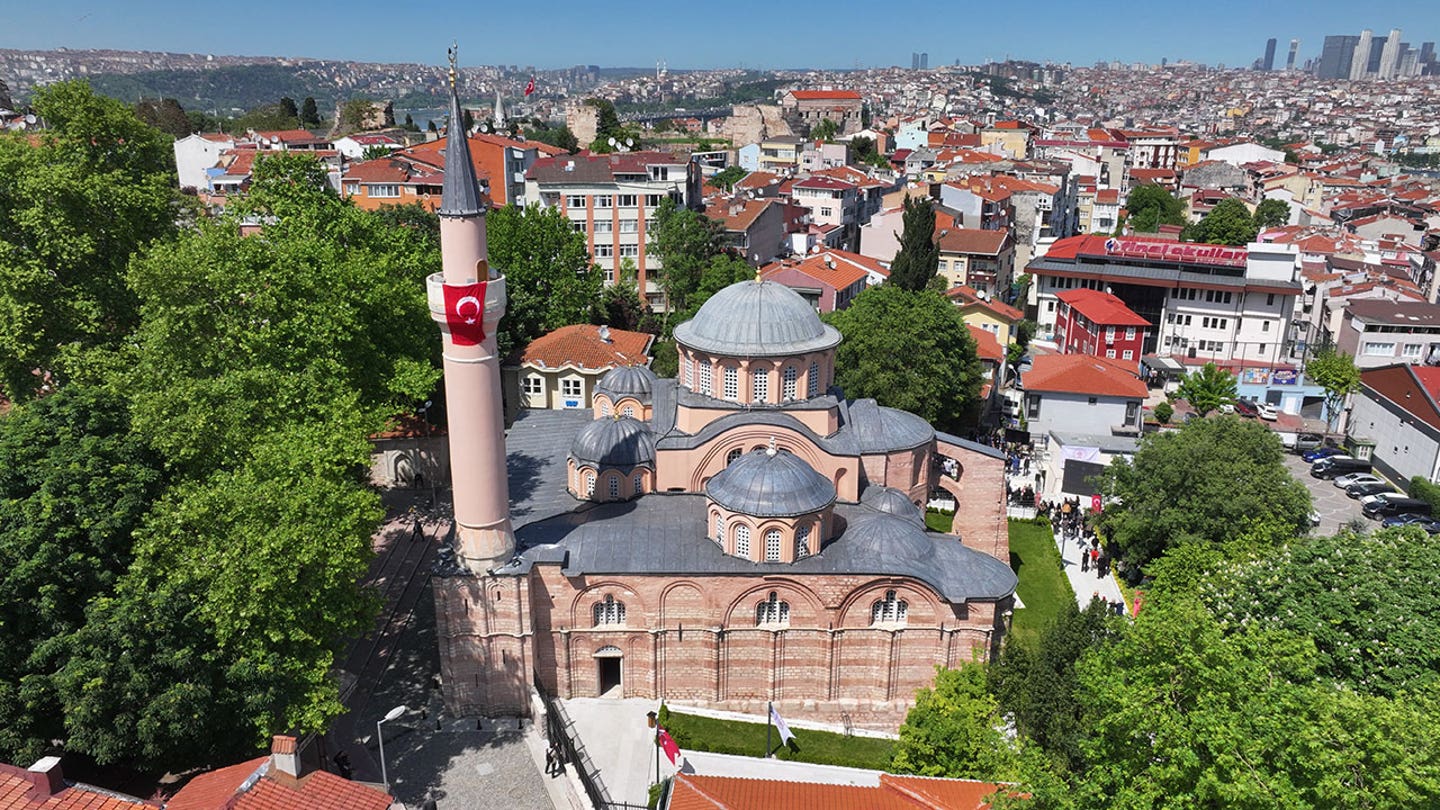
[{"x": 667, "y": 744}]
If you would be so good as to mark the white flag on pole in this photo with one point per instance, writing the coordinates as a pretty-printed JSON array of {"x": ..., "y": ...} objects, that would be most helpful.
[{"x": 785, "y": 735}]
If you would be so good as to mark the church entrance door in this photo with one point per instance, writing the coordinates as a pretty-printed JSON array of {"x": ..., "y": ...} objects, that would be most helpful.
[{"x": 609, "y": 677}]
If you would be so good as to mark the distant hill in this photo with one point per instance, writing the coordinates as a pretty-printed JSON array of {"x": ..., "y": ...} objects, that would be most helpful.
[{"x": 228, "y": 89}]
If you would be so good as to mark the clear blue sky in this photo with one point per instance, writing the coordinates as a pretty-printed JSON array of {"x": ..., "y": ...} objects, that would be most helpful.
[{"x": 752, "y": 33}]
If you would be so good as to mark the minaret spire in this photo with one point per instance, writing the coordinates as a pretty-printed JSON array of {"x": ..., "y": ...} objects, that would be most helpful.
[{"x": 466, "y": 291}]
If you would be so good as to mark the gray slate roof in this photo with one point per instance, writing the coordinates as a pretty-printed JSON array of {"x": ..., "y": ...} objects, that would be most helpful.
[
  {"x": 628, "y": 381},
  {"x": 892, "y": 502},
  {"x": 619, "y": 442},
  {"x": 460, "y": 192},
  {"x": 665, "y": 534},
  {"x": 756, "y": 319},
  {"x": 765, "y": 484},
  {"x": 536, "y": 448},
  {"x": 879, "y": 429}
]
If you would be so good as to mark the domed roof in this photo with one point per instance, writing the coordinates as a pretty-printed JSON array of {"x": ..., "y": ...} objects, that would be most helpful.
[
  {"x": 756, "y": 319},
  {"x": 884, "y": 430},
  {"x": 770, "y": 483},
  {"x": 890, "y": 537},
  {"x": 892, "y": 502},
  {"x": 622, "y": 442},
  {"x": 627, "y": 381}
]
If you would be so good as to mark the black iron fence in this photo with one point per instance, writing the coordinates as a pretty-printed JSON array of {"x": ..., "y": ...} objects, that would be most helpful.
[{"x": 560, "y": 731}]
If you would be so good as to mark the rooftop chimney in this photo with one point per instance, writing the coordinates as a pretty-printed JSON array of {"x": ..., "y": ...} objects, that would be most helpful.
[
  {"x": 45, "y": 778},
  {"x": 284, "y": 756},
  {"x": 605, "y": 333}
]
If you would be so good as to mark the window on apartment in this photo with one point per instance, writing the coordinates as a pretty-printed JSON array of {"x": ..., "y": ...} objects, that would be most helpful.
[
  {"x": 570, "y": 387},
  {"x": 1270, "y": 300},
  {"x": 608, "y": 611},
  {"x": 1132, "y": 410},
  {"x": 609, "y": 275},
  {"x": 1129, "y": 333},
  {"x": 578, "y": 225},
  {"x": 772, "y": 611},
  {"x": 1412, "y": 350},
  {"x": 1034, "y": 408},
  {"x": 1093, "y": 401},
  {"x": 1129, "y": 354},
  {"x": 534, "y": 384},
  {"x": 732, "y": 383},
  {"x": 574, "y": 201},
  {"x": 1261, "y": 347},
  {"x": 652, "y": 200},
  {"x": 630, "y": 251},
  {"x": 604, "y": 226},
  {"x": 1264, "y": 326},
  {"x": 384, "y": 190},
  {"x": 1374, "y": 349},
  {"x": 1109, "y": 334},
  {"x": 1110, "y": 353},
  {"x": 827, "y": 212},
  {"x": 351, "y": 189},
  {"x": 604, "y": 201},
  {"x": 629, "y": 226},
  {"x": 626, "y": 200},
  {"x": 604, "y": 251}
]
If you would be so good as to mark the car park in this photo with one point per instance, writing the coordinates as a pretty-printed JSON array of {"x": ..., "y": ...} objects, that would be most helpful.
[
  {"x": 1305, "y": 442},
  {"x": 1245, "y": 407},
  {"x": 1390, "y": 505},
  {"x": 1343, "y": 481},
  {"x": 1267, "y": 411},
  {"x": 1338, "y": 465},
  {"x": 1375, "y": 488},
  {"x": 1318, "y": 453},
  {"x": 1405, "y": 520}
]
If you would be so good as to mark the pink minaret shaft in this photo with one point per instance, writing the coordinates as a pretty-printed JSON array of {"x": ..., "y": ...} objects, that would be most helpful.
[{"x": 472, "y": 373}]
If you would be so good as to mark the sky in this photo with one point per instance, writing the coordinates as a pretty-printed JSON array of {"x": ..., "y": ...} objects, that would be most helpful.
[{"x": 739, "y": 33}]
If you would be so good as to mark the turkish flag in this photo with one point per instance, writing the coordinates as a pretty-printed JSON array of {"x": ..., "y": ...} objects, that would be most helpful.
[
  {"x": 530, "y": 88},
  {"x": 1095, "y": 503},
  {"x": 465, "y": 313},
  {"x": 667, "y": 744}
]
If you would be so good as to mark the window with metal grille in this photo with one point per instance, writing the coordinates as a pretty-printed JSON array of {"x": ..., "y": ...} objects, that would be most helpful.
[
  {"x": 788, "y": 379},
  {"x": 759, "y": 386},
  {"x": 802, "y": 542},
  {"x": 589, "y": 485},
  {"x": 720, "y": 528},
  {"x": 812, "y": 383},
  {"x": 733, "y": 454},
  {"x": 614, "y": 486},
  {"x": 687, "y": 372},
  {"x": 732, "y": 383},
  {"x": 889, "y": 610},
  {"x": 772, "y": 545},
  {"x": 772, "y": 611},
  {"x": 609, "y": 611},
  {"x": 742, "y": 540},
  {"x": 706, "y": 384},
  {"x": 638, "y": 484}
]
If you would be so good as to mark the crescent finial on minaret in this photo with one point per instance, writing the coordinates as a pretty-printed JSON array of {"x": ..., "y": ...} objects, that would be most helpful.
[{"x": 454, "y": 53}]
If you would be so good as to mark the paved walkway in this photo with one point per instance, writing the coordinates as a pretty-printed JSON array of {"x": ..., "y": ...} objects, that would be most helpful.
[
  {"x": 1085, "y": 583},
  {"x": 620, "y": 743}
]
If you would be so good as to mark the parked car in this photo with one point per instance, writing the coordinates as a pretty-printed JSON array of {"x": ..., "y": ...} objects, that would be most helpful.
[
  {"x": 1245, "y": 407},
  {"x": 1405, "y": 520},
  {"x": 1338, "y": 465},
  {"x": 1305, "y": 442},
  {"x": 1267, "y": 411},
  {"x": 1318, "y": 453},
  {"x": 1391, "y": 505},
  {"x": 1361, "y": 490},
  {"x": 1343, "y": 481}
]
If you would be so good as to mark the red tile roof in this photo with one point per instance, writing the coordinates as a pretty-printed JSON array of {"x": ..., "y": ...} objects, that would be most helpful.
[
  {"x": 226, "y": 789},
  {"x": 825, "y": 95},
  {"x": 696, "y": 792},
  {"x": 964, "y": 296},
  {"x": 1101, "y": 308},
  {"x": 974, "y": 240},
  {"x": 15, "y": 788},
  {"x": 1083, "y": 374},
  {"x": 986, "y": 345},
  {"x": 849, "y": 268},
  {"x": 579, "y": 346}
]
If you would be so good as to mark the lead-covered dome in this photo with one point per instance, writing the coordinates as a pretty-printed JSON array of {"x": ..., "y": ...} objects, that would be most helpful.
[
  {"x": 885, "y": 536},
  {"x": 627, "y": 381},
  {"x": 770, "y": 483},
  {"x": 611, "y": 443},
  {"x": 756, "y": 319},
  {"x": 892, "y": 502}
]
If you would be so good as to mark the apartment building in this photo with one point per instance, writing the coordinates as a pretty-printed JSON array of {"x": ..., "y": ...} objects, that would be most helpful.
[
  {"x": 1378, "y": 332},
  {"x": 1097, "y": 323},
  {"x": 982, "y": 260}
]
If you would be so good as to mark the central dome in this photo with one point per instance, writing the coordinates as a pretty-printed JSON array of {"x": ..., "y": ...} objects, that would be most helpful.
[
  {"x": 756, "y": 319},
  {"x": 770, "y": 483}
]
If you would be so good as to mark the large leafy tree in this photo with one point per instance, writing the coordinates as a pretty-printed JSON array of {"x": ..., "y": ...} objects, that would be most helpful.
[
  {"x": 1271, "y": 213},
  {"x": 908, "y": 350},
  {"x": 954, "y": 730},
  {"x": 919, "y": 256},
  {"x": 1149, "y": 206},
  {"x": 1337, "y": 373},
  {"x": 549, "y": 276},
  {"x": 1208, "y": 389},
  {"x": 75, "y": 482},
  {"x": 684, "y": 241},
  {"x": 75, "y": 205},
  {"x": 1228, "y": 223},
  {"x": 1211, "y": 482}
]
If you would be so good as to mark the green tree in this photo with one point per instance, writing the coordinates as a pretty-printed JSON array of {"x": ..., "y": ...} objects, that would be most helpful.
[
  {"x": 1213, "y": 482},
  {"x": 727, "y": 177},
  {"x": 608, "y": 126},
  {"x": 1164, "y": 412},
  {"x": 75, "y": 206},
  {"x": 309, "y": 113},
  {"x": 1149, "y": 206},
  {"x": 355, "y": 114},
  {"x": 75, "y": 483},
  {"x": 1228, "y": 223},
  {"x": 919, "y": 257},
  {"x": 288, "y": 108},
  {"x": 165, "y": 115},
  {"x": 909, "y": 350},
  {"x": 953, "y": 730},
  {"x": 1337, "y": 373},
  {"x": 550, "y": 278},
  {"x": 1208, "y": 389},
  {"x": 1272, "y": 213},
  {"x": 555, "y": 136},
  {"x": 684, "y": 241},
  {"x": 825, "y": 130}
]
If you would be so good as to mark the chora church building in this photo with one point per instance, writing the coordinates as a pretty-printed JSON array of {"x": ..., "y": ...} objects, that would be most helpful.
[{"x": 738, "y": 535}]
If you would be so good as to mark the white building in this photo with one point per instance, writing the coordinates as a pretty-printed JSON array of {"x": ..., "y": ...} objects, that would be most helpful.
[
  {"x": 195, "y": 154},
  {"x": 1396, "y": 409},
  {"x": 1081, "y": 393}
]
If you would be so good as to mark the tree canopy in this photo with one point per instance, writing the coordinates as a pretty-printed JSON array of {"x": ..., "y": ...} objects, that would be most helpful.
[
  {"x": 727, "y": 177},
  {"x": 919, "y": 257},
  {"x": 1337, "y": 373},
  {"x": 1213, "y": 481},
  {"x": 909, "y": 350},
  {"x": 1149, "y": 206},
  {"x": 953, "y": 730},
  {"x": 685, "y": 242},
  {"x": 1228, "y": 223},
  {"x": 1271, "y": 213},
  {"x": 1208, "y": 389}
]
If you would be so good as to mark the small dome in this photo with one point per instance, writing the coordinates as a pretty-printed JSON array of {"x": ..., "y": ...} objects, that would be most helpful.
[
  {"x": 891, "y": 537},
  {"x": 627, "y": 381},
  {"x": 770, "y": 483},
  {"x": 606, "y": 443},
  {"x": 756, "y": 319},
  {"x": 892, "y": 502},
  {"x": 885, "y": 430}
]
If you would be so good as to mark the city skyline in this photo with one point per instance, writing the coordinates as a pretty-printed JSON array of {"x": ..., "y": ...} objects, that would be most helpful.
[{"x": 576, "y": 34}]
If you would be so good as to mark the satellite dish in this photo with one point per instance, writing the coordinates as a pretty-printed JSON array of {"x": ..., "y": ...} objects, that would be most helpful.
[{"x": 30, "y": 119}]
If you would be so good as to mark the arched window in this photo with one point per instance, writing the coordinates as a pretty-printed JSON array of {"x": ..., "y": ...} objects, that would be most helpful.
[
  {"x": 608, "y": 611},
  {"x": 760, "y": 385},
  {"x": 706, "y": 386},
  {"x": 733, "y": 454},
  {"x": 812, "y": 382},
  {"x": 742, "y": 540},
  {"x": 732, "y": 383},
  {"x": 772, "y": 545},
  {"x": 604, "y": 407},
  {"x": 889, "y": 610},
  {"x": 628, "y": 410},
  {"x": 615, "y": 486},
  {"x": 802, "y": 541},
  {"x": 589, "y": 484},
  {"x": 788, "y": 387},
  {"x": 772, "y": 611},
  {"x": 638, "y": 484},
  {"x": 719, "y": 528},
  {"x": 687, "y": 372}
]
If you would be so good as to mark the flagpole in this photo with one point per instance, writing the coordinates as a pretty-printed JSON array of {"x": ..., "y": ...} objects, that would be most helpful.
[{"x": 769, "y": 710}]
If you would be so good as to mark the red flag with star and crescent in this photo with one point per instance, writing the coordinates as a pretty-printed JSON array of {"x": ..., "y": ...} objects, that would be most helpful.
[
  {"x": 667, "y": 744},
  {"x": 465, "y": 313},
  {"x": 530, "y": 88}
]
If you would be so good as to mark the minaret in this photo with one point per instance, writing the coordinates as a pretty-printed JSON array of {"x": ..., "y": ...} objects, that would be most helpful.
[
  {"x": 472, "y": 370},
  {"x": 499, "y": 112}
]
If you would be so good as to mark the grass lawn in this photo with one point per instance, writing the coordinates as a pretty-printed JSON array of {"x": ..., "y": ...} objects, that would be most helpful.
[
  {"x": 938, "y": 521},
  {"x": 748, "y": 739},
  {"x": 1043, "y": 586}
]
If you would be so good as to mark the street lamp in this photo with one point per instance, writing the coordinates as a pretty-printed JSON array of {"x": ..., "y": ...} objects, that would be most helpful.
[
  {"x": 429, "y": 453},
  {"x": 380, "y": 735}
]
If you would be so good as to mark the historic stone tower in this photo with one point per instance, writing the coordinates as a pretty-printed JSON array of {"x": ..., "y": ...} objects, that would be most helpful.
[{"x": 467, "y": 300}]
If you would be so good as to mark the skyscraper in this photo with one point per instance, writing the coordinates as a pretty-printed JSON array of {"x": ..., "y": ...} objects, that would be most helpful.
[
  {"x": 1269, "y": 63},
  {"x": 1336, "y": 57},
  {"x": 914, "y": 60},
  {"x": 1390, "y": 55},
  {"x": 924, "y": 60},
  {"x": 1360, "y": 62},
  {"x": 1294, "y": 49}
]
